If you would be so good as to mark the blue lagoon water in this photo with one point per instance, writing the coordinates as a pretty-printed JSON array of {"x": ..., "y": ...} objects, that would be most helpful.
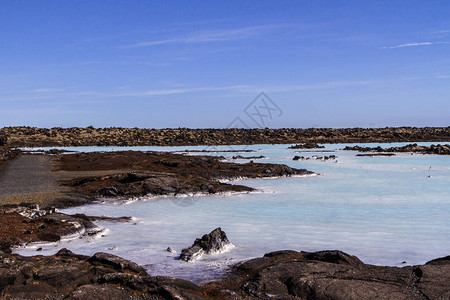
[{"x": 385, "y": 210}]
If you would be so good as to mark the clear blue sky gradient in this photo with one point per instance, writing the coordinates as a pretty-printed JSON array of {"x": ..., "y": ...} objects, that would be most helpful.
[{"x": 198, "y": 64}]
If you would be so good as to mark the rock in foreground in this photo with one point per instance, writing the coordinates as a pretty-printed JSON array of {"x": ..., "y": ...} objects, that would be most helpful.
[
  {"x": 277, "y": 275},
  {"x": 331, "y": 275},
  {"x": 215, "y": 241},
  {"x": 66, "y": 275}
]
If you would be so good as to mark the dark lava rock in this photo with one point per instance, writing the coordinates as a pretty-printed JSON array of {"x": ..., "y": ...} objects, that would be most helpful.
[
  {"x": 66, "y": 275},
  {"x": 413, "y": 148},
  {"x": 248, "y": 157},
  {"x": 213, "y": 242},
  {"x": 331, "y": 275},
  {"x": 315, "y": 157},
  {"x": 375, "y": 154},
  {"x": 160, "y": 173},
  {"x": 23, "y": 224},
  {"x": 7, "y": 154},
  {"x": 307, "y": 146},
  {"x": 3, "y": 139},
  {"x": 277, "y": 275}
]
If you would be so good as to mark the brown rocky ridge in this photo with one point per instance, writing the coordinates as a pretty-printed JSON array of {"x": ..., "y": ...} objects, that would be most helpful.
[{"x": 77, "y": 136}]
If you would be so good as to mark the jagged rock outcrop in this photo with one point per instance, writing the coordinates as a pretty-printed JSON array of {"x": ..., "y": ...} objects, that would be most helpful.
[{"x": 215, "y": 241}]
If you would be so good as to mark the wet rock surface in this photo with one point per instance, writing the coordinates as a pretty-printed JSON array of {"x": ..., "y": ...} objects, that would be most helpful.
[
  {"x": 330, "y": 275},
  {"x": 413, "y": 148},
  {"x": 27, "y": 223},
  {"x": 277, "y": 275},
  {"x": 134, "y": 173},
  {"x": 66, "y": 275},
  {"x": 77, "y": 136},
  {"x": 215, "y": 241}
]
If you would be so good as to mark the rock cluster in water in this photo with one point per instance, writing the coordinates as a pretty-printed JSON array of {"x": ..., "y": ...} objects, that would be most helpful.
[
  {"x": 433, "y": 149},
  {"x": 214, "y": 242},
  {"x": 315, "y": 157},
  {"x": 248, "y": 157},
  {"x": 375, "y": 154},
  {"x": 307, "y": 146}
]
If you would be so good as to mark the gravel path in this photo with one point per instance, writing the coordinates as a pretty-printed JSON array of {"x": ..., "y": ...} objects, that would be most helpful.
[{"x": 29, "y": 178}]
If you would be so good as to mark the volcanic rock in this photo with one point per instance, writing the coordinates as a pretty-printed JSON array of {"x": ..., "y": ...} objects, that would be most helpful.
[
  {"x": 66, "y": 275},
  {"x": 413, "y": 148},
  {"x": 306, "y": 146},
  {"x": 331, "y": 275},
  {"x": 214, "y": 242},
  {"x": 3, "y": 139},
  {"x": 114, "y": 136}
]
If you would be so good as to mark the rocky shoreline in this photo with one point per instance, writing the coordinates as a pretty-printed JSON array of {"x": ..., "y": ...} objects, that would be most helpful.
[
  {"x": 277, "y": 275},
  {"x": 413, "y": 148},
  {"x": 89, "y": 136},
  {"x": 27, "y": 223}
]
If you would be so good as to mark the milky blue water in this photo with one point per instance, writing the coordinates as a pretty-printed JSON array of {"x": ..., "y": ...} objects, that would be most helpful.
[{"x": 385, "y": 210}]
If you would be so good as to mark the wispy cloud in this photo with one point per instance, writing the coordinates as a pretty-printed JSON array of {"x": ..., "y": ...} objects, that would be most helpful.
[
  {"x": 211, "y": 36},
  {"x": 77, "y": 97},
  {"x": 415, "y": 45},
  {"x": 46, "y": 90},
  {"x": 248, "y": 88},
  {"x": 163, "y": 92}
]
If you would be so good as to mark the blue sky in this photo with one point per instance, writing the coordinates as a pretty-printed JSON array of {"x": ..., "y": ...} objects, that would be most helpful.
[{"x": 198, "y": 64}]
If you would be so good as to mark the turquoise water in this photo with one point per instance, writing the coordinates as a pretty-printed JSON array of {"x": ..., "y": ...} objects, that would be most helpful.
[{"x": 385, "y": 210}]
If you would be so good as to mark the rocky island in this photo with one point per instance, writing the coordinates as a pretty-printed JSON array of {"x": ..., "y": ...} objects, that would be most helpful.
[{"x": 413, "y": 148}]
